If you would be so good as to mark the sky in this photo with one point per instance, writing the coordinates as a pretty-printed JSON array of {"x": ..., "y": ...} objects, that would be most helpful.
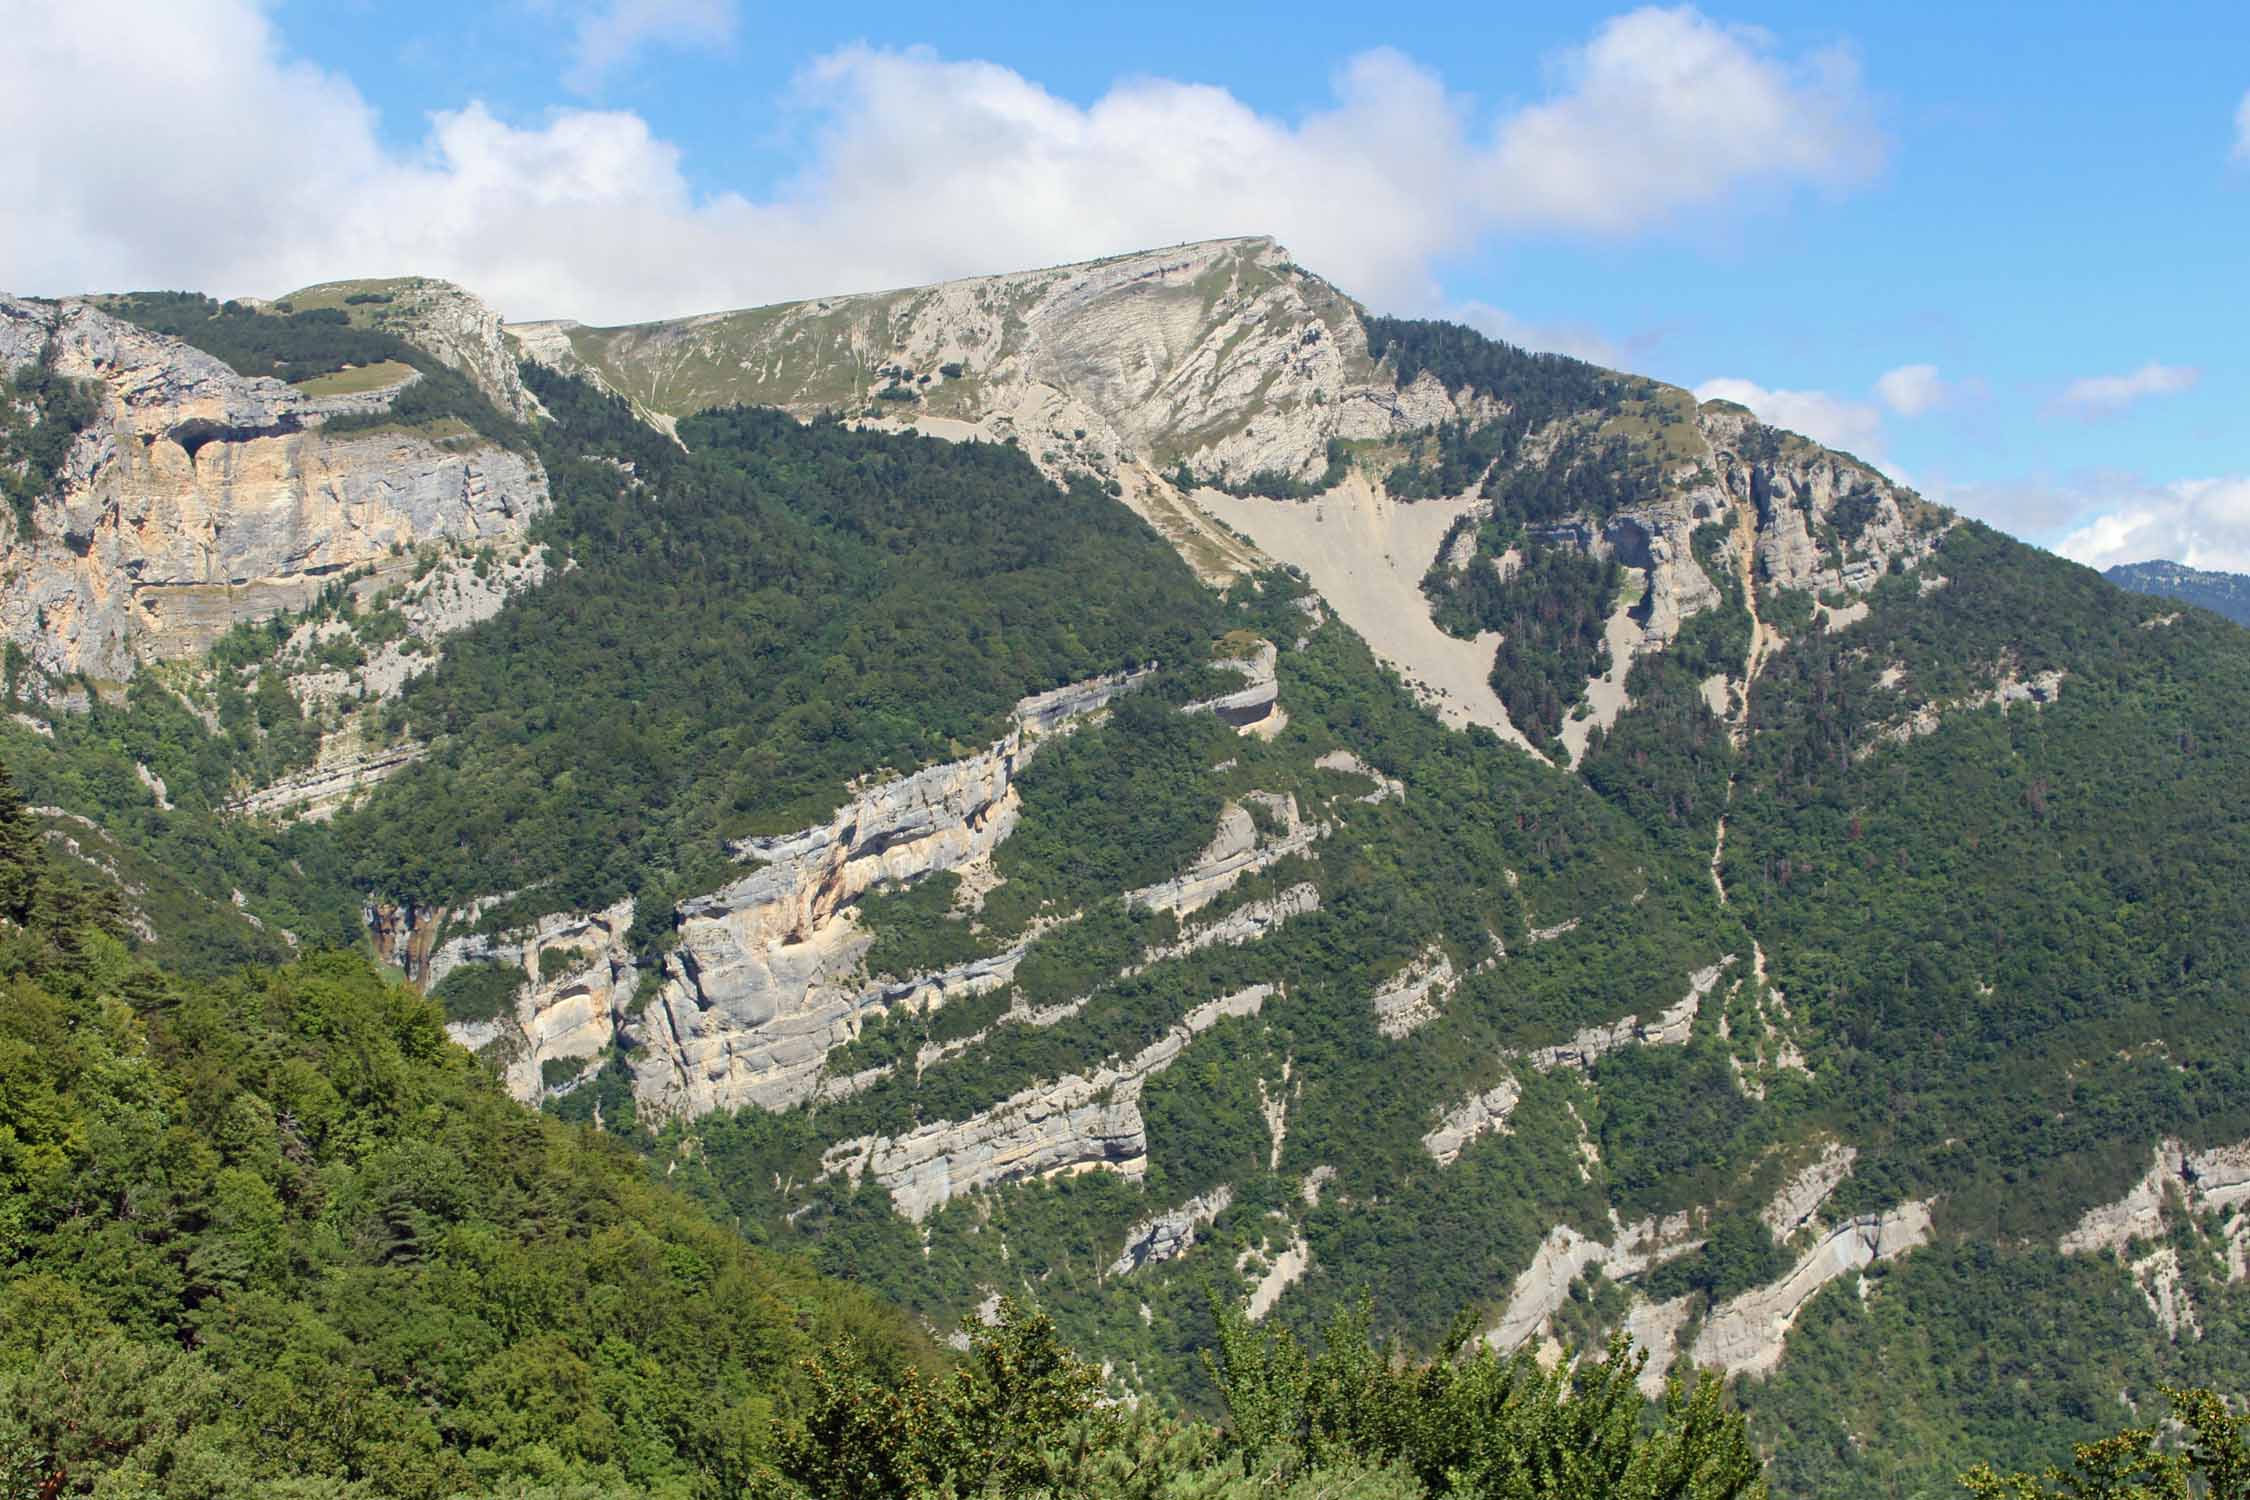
[{"x": 2002, "y": 257}]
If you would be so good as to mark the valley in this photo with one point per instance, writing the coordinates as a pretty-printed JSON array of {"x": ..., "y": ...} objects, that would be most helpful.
[{"x": 1145, "y": 788}]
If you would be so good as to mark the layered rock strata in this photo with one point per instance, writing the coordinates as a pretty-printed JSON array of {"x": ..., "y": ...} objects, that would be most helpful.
[
  {"x": 199, "y": 498},
  {"x": 1236, "y": 850},
  {"x": 1745, "y": 1334},
  {"x": 1410, "y": 999},
  {"x": 1168, "y": 1236},
  {"x": 1086, "y": 1122},
  {"x": 1670, "y": 1029},
  {"x": 578, "y": 978},
  {"x": 763, "y": 983}
]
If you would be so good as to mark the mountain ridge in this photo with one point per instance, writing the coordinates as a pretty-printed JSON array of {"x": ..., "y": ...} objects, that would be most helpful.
[
  {"x": 2221, "y": 592},
  {"x": 1653, "y": 994}
]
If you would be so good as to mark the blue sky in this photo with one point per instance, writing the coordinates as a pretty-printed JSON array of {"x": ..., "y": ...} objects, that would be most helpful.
[{"x": 2002, "y": 256}]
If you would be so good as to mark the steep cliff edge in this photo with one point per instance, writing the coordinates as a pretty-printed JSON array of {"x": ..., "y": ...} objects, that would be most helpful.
[
  {"x": 1235, "y": 400},
  {"x": 197, "y": 498}
]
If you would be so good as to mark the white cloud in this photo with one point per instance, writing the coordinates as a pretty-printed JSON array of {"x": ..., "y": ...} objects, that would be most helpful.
[
  {"x": 216, "y": 162},
  {"x": 1575, "y": 339},
  {"x": 1911, "y": 390},
  {"x": 2204, "y": 523},
  {"x": 2105, "y": 395},
  {"x": 2242, "y": 128},
  {"x": 1854, "y": 426},
  {"x": 1664, "y": 108},
  {"x": 613, "y": 34}
]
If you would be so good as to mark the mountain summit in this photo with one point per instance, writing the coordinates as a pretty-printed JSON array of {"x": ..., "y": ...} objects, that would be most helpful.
[{"x": 1145, "y": 779}]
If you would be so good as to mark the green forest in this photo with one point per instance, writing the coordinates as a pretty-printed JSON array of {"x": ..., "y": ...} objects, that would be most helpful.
[
  {"x": 266, "y": 1226},
  {"x": 274, "y": 1234}
]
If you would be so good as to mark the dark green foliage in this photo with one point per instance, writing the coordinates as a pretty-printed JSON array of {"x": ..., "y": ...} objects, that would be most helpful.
[
  {"x": 298, "y": 346},
  {"x": 1553, "y": 609},
  {"x": 1474, "y": 1423},
  {"x": 279, "y": 345},
  {"x": 1579, "y": 475},
  {"x": 40, "y": 413},
  {"x": 1457, "y": 467},
  {"x": 1109, "y": 812},
  {"x": 750, "y": 625},
  {"x": 1984, "y": 926},
  {"x": 916, "y": 929},
  {"x": 1969, "y": 1354},
  {"x": 1021, "y": 1417},
  {"x": 1737, "y": 1254},
  {"x": 277, "y": 1230},
  {"x": 2143, "y": 1463},
  {"x": 1854, "y": 510},
  {"x": 1535, "y": 387},
  {"x": 479, "y": 992},
  {"x": 186, "y": 863}
]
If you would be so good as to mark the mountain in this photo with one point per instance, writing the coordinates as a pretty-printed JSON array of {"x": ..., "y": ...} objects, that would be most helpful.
[
  {"x": 2222, "y": 593},
  {"x": 1144, "y": 779}
]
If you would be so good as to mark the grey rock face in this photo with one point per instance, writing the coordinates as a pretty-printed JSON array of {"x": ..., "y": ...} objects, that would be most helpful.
[
  {"x": 1086, "y": 1122},
  {"x": 762, "y": 986},
  {"x": 200, "y": 498},
  {"x": 1168, "y": 1236}
]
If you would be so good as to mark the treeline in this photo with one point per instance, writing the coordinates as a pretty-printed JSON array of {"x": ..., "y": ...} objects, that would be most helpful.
[
  {"x": 275, "y": 1230},
  {"x": 1553, "y": 608},
  {"x": 748, "y": 625},
  {"x": 1579, "y": 472},
  {"x": 299, "y": 346}
]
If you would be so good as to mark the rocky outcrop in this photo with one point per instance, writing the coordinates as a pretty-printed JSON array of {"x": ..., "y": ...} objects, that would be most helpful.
[
  {"x": 2206, "y": 1181},
  {"x": 1745, "y": 1334},
  {"x": 1807, "y": 1189},
  {"x": 1566, "y": 1253},
  {"x": 330, "y": 783},
  {"x": 763, "y": 983},
  {"x": 1670, "y": 1029},
  {"x": 1824, "y": 519},
  {"x": 1170, "y": 1235},
  {"x": 1247, "y": 923},
  {"x": 1090, "y": 1121},
  {"x": 1257, "y": 700},
  {"x": 1283, "y": 1270},
  {"x": 1223, "y": 355},
  {"x": 439, "y": 318},
  {"x": 1386, "y": 787},
  {"x": 1238, "y": 849},
  {"x": 1411, "y": 997},
  {"x": 199, "y": 498},
  {"x": 2010, "y": 689},
  {"x": 579, "y": 978},
  {"x": 1479, "y": 1114}
]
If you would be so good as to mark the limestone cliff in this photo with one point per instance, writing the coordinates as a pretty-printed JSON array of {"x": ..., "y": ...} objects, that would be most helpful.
[
  {"x": 1191, "y": 378},
  {"x": 578, "y": 978},
  {"x": 439, "y": 317},
  {"x": 763, "y": 983},
  {"x": 199, "y": 497},
  {"x": 1085, "y": 1122}
]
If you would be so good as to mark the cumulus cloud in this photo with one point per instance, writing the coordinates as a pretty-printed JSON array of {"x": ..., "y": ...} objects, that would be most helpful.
[
  {"x": 2204, "y": 523},
  {"x": 2106, "y": 395},
  {"x": 1664, "y": 108},
  {"x": 1574, "y": 339},
  {"x": 217, "y": 162},
  {"x": 1854, "y": 426},
  {"x": 1911, "y": 390},
  {"x": 611, "y": 35}
]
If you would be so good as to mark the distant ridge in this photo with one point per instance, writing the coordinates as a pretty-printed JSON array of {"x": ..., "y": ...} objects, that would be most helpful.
[{"x": 2222, "y": 593}]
